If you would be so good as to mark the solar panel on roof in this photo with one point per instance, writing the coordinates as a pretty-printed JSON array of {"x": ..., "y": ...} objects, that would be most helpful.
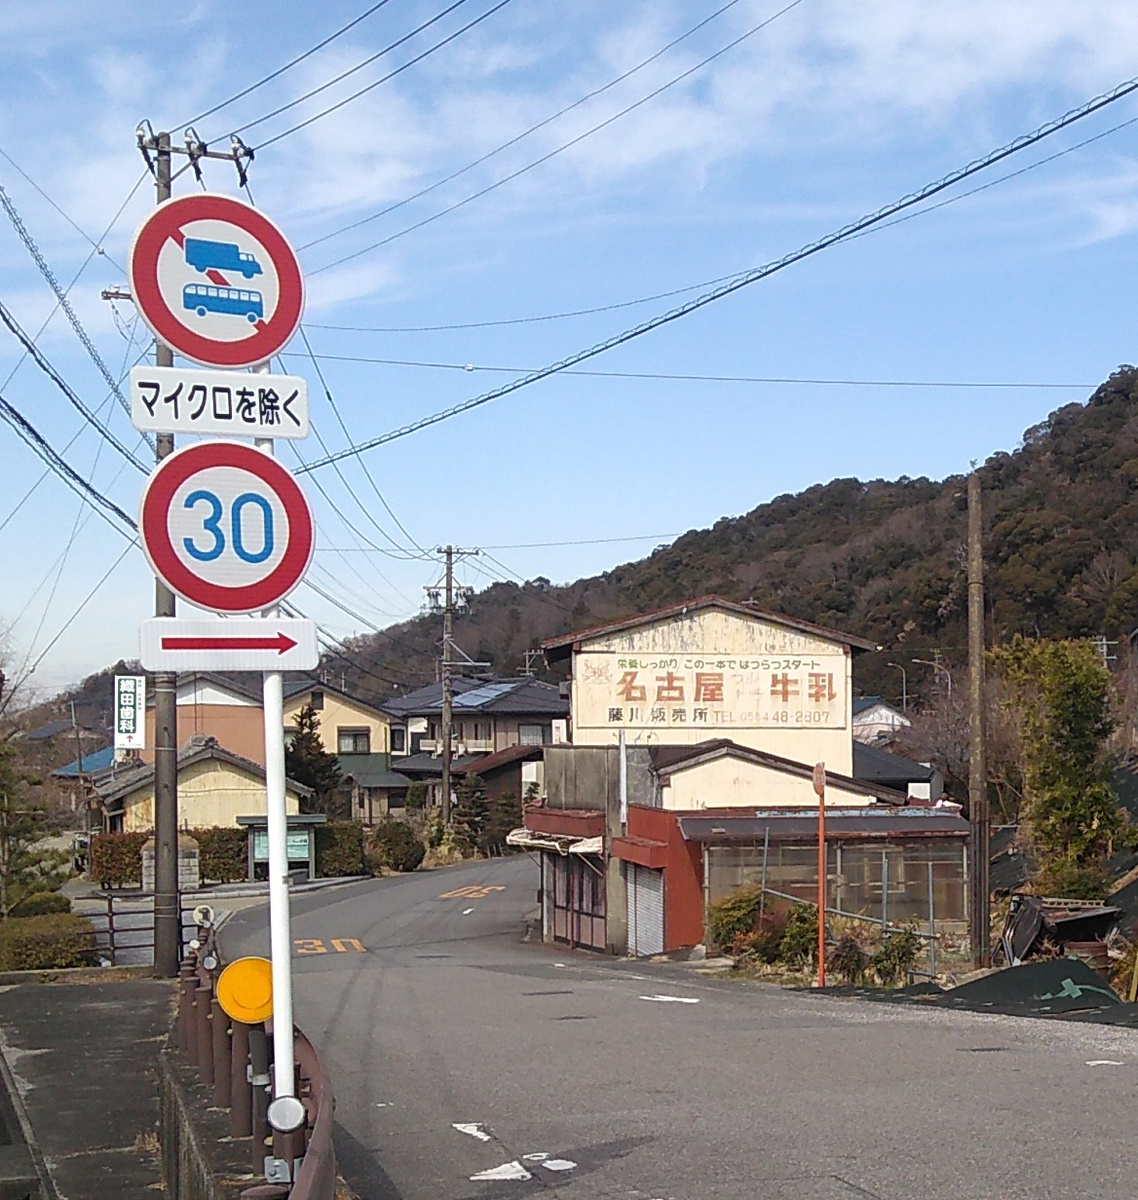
[{"x": 478, "y": 696}]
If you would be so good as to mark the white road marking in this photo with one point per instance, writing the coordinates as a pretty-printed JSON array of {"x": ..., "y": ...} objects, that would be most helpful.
[
  {"x": 672, "y": 999},
  {"x": 509, "y": 1170},
  {"x": 467, "y": 911},
  {"x": 474, "y": 1128},
  {"x": 1103, "y": 1062},
  {"x": 384, "y": 1104},
  {"x": 539, "y": 1157},
  {"x": 559, "y": 1164}
]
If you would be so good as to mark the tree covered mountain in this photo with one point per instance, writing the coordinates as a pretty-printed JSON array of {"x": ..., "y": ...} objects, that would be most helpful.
[{"x": 884, "y": 559}]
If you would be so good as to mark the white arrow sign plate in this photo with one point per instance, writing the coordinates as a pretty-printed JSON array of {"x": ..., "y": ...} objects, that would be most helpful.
[
  {"x": 242, "y": 644},
  {"x": 230, "y": 403}
]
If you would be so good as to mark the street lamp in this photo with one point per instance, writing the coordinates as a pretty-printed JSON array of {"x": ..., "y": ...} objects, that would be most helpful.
[{"x": 904, "y": 686}]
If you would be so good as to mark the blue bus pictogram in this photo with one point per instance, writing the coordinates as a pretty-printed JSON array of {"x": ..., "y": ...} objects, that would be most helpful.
[
  {"x": 222, "y": 256},
  {"x": 205, "y": 298}
]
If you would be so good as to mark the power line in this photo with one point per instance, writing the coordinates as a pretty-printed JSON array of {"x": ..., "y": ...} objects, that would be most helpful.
[
  {"x": 65, "y": 388},
  {"x": 367, "y": 473},
  {"x": 389, "y": 76},
  {"x": 641, "y": 537},
  {"x": 696, "y": 378},
  {"x": 694, "y": 287},
  {"x": 753, "y": 275},
  {"x": 537, "y": 162},
  {"x": 525, "y": 132},
  {"x": 29, "y": 434},
  {"x": 287, "y": 67},
  {"x": 61, "y": 298}
]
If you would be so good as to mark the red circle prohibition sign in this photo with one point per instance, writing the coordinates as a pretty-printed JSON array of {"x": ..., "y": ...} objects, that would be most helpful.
[
  {"x": 181, "y": 579},
  {"x": 167, "y": 222}
]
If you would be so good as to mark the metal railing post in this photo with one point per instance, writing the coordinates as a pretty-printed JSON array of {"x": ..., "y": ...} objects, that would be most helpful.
[
  {"x": 932, "y": 925},
  {"x": 259, "y": 1059},
  {"x": 202, "y": 997},
  {"x": 221, "y": 1072},
  {"x": 240, "y": 1089},
  {"x": 111, "y": 929}
]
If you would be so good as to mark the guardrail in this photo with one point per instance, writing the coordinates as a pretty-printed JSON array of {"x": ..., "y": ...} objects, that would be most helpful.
[{"x": 233, "y": 1059}]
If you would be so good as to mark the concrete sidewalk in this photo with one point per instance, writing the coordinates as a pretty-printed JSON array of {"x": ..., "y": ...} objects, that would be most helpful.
[{"x": 82, "y": 1056}]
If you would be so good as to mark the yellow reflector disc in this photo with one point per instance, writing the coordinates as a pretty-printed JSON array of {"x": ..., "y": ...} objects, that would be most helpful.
[{"x": 245, "y": 990}]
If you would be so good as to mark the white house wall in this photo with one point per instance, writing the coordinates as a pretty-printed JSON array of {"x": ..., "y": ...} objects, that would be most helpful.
[
  {"x": 734, "y": 783},
  {"x": 716, "y": 674}
]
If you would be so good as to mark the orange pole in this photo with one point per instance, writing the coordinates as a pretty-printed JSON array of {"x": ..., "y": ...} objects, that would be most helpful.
[{"x": 820, "y": 788}]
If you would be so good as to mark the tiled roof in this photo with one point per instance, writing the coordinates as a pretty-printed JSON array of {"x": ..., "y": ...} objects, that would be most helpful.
[{"x": 509, "y": 697}]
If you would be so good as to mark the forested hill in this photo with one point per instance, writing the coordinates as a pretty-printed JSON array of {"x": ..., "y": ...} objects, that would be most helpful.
[{"x": 880, "y": 559}]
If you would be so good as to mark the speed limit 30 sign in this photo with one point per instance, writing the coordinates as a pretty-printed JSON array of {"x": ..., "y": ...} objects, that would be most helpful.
[{"x": 226, "y": 527}]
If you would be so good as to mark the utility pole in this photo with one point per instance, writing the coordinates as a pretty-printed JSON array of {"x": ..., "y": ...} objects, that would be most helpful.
[
  {"x": 167, "y": 904},
  {"x": 979, "y": 814},
  {"x": 452, "y": 598},
  {"x": 157, "y": 150}
]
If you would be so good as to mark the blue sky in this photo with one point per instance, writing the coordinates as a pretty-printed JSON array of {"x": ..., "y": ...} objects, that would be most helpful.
[{"x": 831, "y": 110}]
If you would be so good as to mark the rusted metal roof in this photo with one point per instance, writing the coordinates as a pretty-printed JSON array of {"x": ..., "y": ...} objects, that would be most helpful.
[{"x": 568, "y": 640}]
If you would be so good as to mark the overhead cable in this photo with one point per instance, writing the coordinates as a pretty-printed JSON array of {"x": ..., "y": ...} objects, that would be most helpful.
[
  {"x": 61, "y": 298},
  {"x": 287, "y": 67},
  {"x": 105, "y": 507},
  {"x": 537, "y": 162},
  {"x": 389, "y": 76},
  {"x": 753, "y": 275},
  {"x": 695, "y": 287},
  {"x": 689, "y": 377},
  {"x": 526, "y": 132},
  {"x": 66, "y": 389}
]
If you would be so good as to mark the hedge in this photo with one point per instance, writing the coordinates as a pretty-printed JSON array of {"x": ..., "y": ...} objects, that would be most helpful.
[
  {"x": 36, "y": 904},
  {"x": 396, "y": 846},
  {"x": 340, "y": 849},
  {"x": 116, "y": 859},
  {"x": 224, "y": 853},
  {"x": 43, "y": 943}
]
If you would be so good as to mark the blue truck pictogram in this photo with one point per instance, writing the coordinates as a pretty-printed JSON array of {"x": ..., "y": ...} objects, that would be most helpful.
[{"x": 222, "y": 256}]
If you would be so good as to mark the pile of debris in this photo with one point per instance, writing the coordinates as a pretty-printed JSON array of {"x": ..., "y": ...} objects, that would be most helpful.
[{"x": 1046, "y": 927}]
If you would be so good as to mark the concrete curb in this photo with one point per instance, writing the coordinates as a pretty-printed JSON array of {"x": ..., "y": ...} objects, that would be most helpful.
[
  {"x": 47, "y": 1189},
  {"x": 77, "y": 974}
]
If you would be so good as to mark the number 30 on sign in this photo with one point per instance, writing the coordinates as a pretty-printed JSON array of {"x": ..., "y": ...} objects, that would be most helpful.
[{"x": 226, "y": 527}]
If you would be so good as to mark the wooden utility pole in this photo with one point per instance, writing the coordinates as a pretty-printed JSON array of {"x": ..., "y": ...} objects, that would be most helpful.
[{"x": 979, "y": 814}]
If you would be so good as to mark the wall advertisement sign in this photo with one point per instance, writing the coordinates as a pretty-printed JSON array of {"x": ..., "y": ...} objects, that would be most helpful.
[
  {"x": 130, "y": 712},
  {"x": 715, "y": 692}
]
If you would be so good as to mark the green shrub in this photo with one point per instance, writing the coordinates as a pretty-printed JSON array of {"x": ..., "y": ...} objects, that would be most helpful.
[
  {"x": 340, "y": 849},
  {"x": 396, "y": 847},
  {"x": 224, "y": 853},
  {"x": 848, "y": 959},
  {"x": 417, "y": 795},
  {"x": 42, "y": 943},
  {"x": 36, "y": 904},
  {"x": 799, "y": 944},
  {"x": 734, "y": 916},
  {"x": 897, "y": 957},
  {"x": 116, "y": 858}
]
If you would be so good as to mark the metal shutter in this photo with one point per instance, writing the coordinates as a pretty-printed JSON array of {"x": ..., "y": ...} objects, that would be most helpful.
[{"x": 645, "y": 911}]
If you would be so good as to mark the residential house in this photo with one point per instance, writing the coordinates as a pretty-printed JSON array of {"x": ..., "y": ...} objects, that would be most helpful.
[
  {"x": 376, "y": 792},
  {"x": 876, "y": 720},
  {"x": 487, "y": 715},
  {"x": 348, "y": 725},
  {"x": 695, "y": 731},
  {"x": 510, "y": 772},
  {"x": 215, "y": 787}
]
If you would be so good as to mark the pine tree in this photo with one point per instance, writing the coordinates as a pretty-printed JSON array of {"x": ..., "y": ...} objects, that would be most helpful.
[
  {"x": 471, "y": 814},
  {"x": 23, "y": 823},
  {"x": 307, "y": 762}
]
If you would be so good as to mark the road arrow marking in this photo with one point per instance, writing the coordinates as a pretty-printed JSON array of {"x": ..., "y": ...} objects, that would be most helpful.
[
  {"x": 510, "y": 1170},
  {"x": 281, "y": 643},
  {"x": 474, "y": 1128}
]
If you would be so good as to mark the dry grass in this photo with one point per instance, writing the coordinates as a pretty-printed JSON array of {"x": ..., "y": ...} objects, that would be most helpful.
[{"x": 146, "y": 1143}]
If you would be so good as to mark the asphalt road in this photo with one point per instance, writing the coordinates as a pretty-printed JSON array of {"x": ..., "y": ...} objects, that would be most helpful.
[{"x": 436, "y": 1015}]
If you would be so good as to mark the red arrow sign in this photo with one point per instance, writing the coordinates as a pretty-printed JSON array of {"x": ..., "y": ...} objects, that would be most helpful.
[{"x": 280, "y": 643}]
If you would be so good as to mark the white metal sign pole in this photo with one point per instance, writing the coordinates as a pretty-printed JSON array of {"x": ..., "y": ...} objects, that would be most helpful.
[{"x": 285, "y": 1112}]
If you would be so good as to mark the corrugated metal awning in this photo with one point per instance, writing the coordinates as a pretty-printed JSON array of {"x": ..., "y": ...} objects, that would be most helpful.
[
  {"x": 802, "y": 826},
  {"x": 558, "y": 843}
]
